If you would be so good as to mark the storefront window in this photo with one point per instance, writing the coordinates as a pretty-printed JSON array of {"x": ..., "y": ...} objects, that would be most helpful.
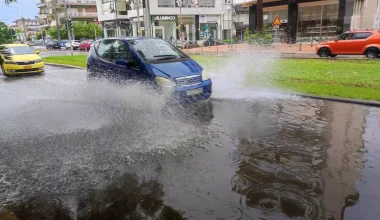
[
  {"x": 208, "y": 31},
  {"x": 309, "y": 22},
  {"x": 189, "y": 22}
]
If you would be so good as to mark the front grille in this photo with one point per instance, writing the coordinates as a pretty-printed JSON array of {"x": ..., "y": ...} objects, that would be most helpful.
[
  {"x": 26, "y": 63},
  {"x": 27, "y": 70},
  {"x": 189, "y": 80}
]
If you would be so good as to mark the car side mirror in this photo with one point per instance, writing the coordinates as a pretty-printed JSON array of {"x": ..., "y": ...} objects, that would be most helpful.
[
  {"x": 37, "y": 52},
  {"x": 336, "y": 40},
  {"x": 122, "y": 62}
]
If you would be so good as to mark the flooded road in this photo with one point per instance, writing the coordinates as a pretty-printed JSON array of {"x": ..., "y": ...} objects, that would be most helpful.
[{"x": 70, "y": 149}]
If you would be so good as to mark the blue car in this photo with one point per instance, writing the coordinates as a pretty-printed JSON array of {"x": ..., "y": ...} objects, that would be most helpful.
[
  {"x": 150, "y": 60},
  {"x": 62, "y": 43}
]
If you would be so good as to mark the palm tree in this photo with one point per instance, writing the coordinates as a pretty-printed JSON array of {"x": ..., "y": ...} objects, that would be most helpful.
[
  {"x": 9, "y": 1},
  {"x": 259, "y": 12}
]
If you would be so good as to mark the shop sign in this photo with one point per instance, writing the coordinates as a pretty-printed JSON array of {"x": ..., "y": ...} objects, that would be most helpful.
[
  {"x": 164, "y": 18},
  {"x": 109, "y": 23},
  {"x": 135, "y": 19},
  {"x": 124, "y": 22},
  {"x": 208, "y": 19}
]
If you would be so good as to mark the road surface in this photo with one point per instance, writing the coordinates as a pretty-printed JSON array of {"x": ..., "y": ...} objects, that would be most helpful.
[{"x": 73, "y": 149}]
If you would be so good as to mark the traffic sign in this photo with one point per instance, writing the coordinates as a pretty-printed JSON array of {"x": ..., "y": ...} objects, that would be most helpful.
[{"x": 277, "y": 21}]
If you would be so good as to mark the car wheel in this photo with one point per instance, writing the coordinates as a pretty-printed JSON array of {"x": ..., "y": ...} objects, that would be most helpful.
[
  {"x": 372, "y": 53},
  {"x": 324, "y": 52}
]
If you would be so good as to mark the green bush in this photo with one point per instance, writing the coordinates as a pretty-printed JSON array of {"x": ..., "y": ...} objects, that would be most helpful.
[{"x": 259, "y": 38}]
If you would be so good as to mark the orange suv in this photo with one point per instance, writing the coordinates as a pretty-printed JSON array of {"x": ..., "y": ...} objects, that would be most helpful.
[{"x": 352, "y": 43}]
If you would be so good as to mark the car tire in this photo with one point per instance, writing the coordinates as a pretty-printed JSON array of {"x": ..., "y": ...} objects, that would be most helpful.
[
  {"x": 324, "y": 52},
  {"x": 333, "y": 55},
  {"x": 372, "y": 53}
]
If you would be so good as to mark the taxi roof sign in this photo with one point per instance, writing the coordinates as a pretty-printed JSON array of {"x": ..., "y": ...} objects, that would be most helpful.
[{"x": 276, "y": 21}]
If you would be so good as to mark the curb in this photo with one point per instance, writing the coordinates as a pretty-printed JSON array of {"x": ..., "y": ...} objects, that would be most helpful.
[
  {"x": 334, "y": 99},
  {"x": 64, "y": 65}
]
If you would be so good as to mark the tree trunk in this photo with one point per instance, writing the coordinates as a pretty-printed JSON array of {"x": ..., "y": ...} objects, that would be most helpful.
[{"x": 259, "y": 12}]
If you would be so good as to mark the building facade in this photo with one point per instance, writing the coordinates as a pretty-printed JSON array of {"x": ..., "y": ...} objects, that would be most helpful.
[
  {"x": 365, "y": 14},
  {"x": 77, "y": 10},
  {"x": 202, "y": 19},
  {"x": 26, "y": 27}
]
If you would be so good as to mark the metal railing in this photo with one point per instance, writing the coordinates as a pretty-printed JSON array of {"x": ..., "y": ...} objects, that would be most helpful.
[{"x": 80, "y": 14}]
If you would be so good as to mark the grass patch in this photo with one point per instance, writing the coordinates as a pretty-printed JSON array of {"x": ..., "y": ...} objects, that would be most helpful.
[
  {"x": 77, "y": 60},
  {"x": 338, "y": 78}
]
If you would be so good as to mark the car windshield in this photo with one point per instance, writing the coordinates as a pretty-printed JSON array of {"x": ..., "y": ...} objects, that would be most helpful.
[
  {"x": 155, "y": 49},
  {"x": 21, "y": 50}
]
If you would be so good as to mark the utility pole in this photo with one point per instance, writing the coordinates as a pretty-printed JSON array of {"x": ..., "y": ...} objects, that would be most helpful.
[
  {"x": 138, "y": 19},
  {"x": 147, "y": 21},
  {"x": 68, "y": 29}
]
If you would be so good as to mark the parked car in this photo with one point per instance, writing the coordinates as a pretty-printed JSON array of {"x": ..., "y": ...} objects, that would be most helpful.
[
  {"x": 85, "y": 45},
  {"x": 63, "y": 43},
  {"x": 211, "y": 42},
  {"x": 19, "y": 59},
  {"x": 54, "y": 44},
  {"x": 152, "y": 60},
  {"x": 352, "y": 43},
  {"x": 74, "y": 43},
  {"x": 33, "y": 43}
]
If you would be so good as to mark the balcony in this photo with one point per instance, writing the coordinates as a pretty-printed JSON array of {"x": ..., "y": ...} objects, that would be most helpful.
[
  {"x": 42, "y": 16},
  {"x": 40, "y": 4},
  {"x": 79, "y": 2},
  {"x": 79, "y": 15}
]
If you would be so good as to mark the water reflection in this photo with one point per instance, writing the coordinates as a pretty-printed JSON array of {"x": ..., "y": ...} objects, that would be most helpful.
[
  {"x": 306, "y": 167},
  {"x": 126, "y": 198}
]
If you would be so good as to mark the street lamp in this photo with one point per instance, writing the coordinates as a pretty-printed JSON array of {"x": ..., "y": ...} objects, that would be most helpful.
[
  {"x": 229, "y": 8},
  {"x": 221, "y": 26}
]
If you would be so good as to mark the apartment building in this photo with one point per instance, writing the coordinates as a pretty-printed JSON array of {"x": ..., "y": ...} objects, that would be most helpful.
[
  {"x": 77, "y": 10},
  {"x": 202, "y": 18},
  {"x": 28, "y": 28}
]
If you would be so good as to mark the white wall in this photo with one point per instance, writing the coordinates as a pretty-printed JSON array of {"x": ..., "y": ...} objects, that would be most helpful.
[{"x": 155, "y": 10}]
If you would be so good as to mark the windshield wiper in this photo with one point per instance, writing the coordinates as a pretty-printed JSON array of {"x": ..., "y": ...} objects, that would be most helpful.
[{"x": 164, "y": 57}]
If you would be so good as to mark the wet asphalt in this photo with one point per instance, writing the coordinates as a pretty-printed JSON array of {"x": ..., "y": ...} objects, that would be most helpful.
[{"x": 77, "y": 149}]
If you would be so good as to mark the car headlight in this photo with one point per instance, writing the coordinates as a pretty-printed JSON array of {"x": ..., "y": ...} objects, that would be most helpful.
[
  {"x": 10, "y": 62},
  {"x": 39, "y": 61},
  {"x": 205, "y": 75},
  {"x": 164, "y": 82}
]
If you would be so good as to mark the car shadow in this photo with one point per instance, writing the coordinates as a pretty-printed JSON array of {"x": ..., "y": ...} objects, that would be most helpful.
[{"x": 18, "y": 77}]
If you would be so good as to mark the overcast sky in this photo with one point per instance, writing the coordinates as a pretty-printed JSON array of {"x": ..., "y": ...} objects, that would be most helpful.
[{"x": 13, "y": 11}]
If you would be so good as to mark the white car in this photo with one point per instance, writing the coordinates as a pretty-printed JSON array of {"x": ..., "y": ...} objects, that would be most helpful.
[{"x": 74, "y": 43}]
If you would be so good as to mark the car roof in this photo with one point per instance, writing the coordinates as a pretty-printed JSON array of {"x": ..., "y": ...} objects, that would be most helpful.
[
  {"x": 128, "y": 38},
  {"x": 361, "y": 31},
  {"x": 16, "y": 45}
]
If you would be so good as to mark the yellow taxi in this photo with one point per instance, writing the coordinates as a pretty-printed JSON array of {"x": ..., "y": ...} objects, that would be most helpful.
[{"x": 18, "y": 59}]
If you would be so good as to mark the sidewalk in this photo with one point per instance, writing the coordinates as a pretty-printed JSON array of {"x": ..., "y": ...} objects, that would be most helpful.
[{"x": 243, "y": 47}]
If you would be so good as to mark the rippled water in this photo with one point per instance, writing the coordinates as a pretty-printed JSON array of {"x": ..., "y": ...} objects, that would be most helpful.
[{"x": 91, "y": 151}]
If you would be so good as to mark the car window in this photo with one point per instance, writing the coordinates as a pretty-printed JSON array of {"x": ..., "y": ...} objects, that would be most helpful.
[
  {"x": 21, "y": 50},
  {"x": 104, "y": 50},
  {"x": 362, "y": 35},
  {"x": 346, "y": 36},
  {"x": 153, "y": 49},
  {"x": 121, "y": 51}
]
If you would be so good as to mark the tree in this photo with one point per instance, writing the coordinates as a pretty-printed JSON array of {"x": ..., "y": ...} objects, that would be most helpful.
[
  {"x": 5, "y": 37},
  {"x": 80, "y": 29},
  {"x": 260, "y": 14},
  {"x": 9, "y": 1}
]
